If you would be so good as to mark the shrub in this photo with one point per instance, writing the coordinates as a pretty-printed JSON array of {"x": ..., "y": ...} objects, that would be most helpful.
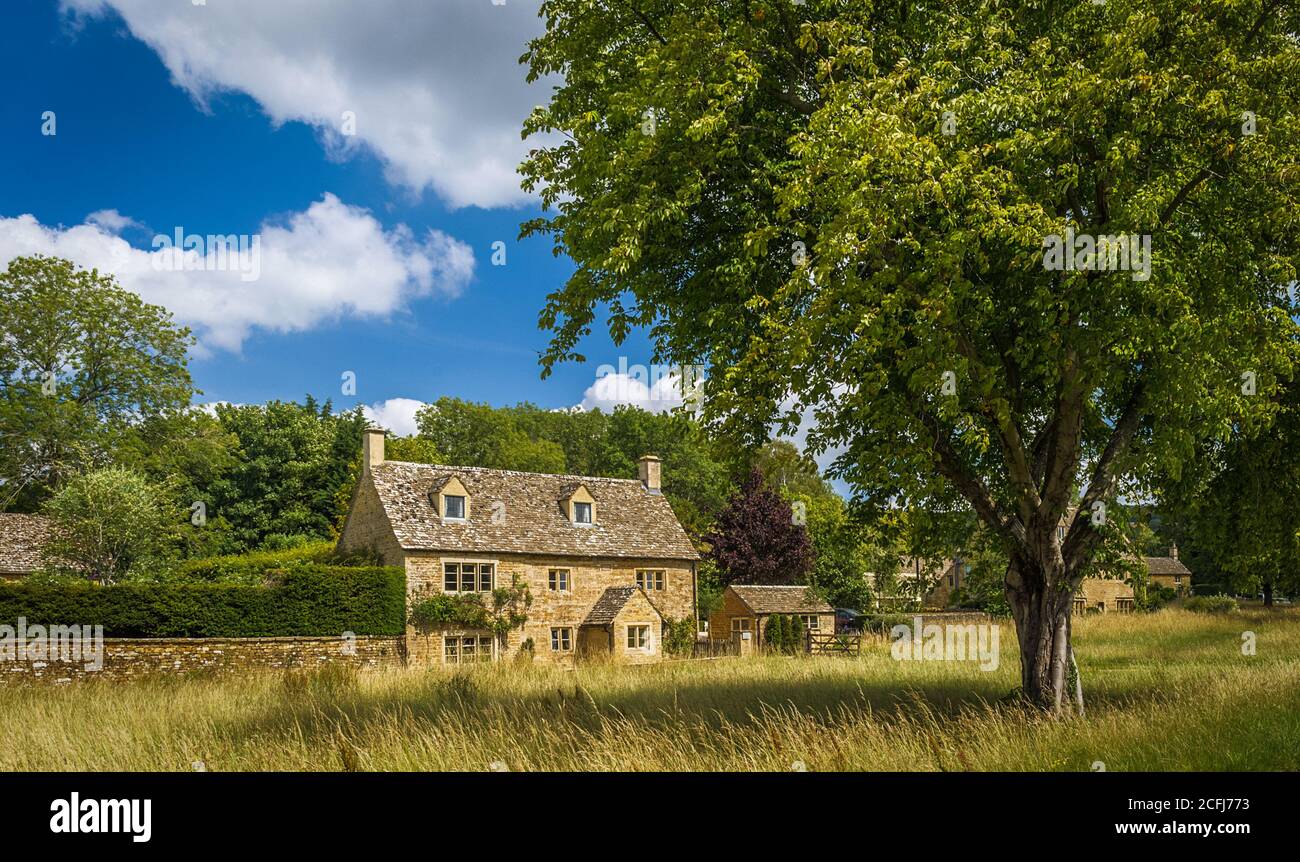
[
  {"x": 679, "y": 637},
  {"x": 1211, "y": 604},
  {"x": 254, "y": 568},
  {"x": 468, "y": 610},
  {"x": 795, "y": 640},
  {"x": 304, "y": 601},
  {"x": 882, "y": 623}
]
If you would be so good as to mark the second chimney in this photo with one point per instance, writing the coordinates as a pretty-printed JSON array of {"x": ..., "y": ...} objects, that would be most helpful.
[
  {"x": 372, "y": 448},
  {"x": 647, "y": 470},
  {"x": 1173, "y": 551}
]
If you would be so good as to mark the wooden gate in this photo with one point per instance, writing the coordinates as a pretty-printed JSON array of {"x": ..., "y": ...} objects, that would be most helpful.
[{"x": 841, "y": 644}]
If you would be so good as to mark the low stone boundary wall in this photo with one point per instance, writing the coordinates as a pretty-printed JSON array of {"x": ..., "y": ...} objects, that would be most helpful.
[{"x": 128, "y": 658}]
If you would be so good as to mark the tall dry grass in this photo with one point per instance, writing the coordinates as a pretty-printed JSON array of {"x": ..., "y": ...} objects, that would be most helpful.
[{"x": 1168, "y": 691}]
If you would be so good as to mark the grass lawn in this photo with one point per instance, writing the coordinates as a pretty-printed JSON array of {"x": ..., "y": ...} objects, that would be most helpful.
[{"x": 1167, "y": 691}]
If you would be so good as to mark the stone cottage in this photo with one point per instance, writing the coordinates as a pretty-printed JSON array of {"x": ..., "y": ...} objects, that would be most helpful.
[
  {"x": 745, "y": 608},
  {"x": 606, "y": 561},
  {"x": 22, "y": 544}
]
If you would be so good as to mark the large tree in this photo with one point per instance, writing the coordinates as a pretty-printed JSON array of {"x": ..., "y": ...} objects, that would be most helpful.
[
  {"x": 83, "y": 363},
  {"x": 843, "y": 210}
]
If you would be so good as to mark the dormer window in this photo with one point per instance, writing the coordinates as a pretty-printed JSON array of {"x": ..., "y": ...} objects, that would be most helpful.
[
  {"x": 579, "y": 506},
  {"x": 451, "y": 501}
]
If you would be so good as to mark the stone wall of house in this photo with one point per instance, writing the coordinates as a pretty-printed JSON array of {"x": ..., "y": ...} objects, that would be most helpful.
[
  {"x": 1103, "y": 594},
  {"x": 587, "y": 581},
  {"x": 730, "y": 608},
  {"x": 128, "y": 658},
  {"x": 367, "y": 527}
]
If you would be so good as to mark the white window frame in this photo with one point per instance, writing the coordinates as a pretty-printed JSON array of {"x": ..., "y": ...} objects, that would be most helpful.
[
  {"x": 644, "y": 644},
  {"x": 558, "y": 637},
  {"x": 811, "y": 622},
  {"x": 656, "y": 584},
  {"x": 453, "y": 649},
  {"x": 464, "y": 505},
  {"x": 591, "y": 513},
  {"x": 742, "y": 624},
  {"x": 478, "y": 575}
]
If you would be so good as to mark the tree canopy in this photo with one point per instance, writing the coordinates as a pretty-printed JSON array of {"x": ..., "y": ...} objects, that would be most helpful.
[{"x": 849, "y": 211}]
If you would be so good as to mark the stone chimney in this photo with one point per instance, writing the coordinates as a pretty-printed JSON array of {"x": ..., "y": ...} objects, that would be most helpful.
[
  {"x": 372, "y": 448},
  {"x": 647, "y": 470},
  {"x": 1173, "y": 551}
]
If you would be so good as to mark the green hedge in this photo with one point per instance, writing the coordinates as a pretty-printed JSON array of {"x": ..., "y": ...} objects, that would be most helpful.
[
  {"x": 306, "y": 600},
  {"x": 251, "y": 568}
]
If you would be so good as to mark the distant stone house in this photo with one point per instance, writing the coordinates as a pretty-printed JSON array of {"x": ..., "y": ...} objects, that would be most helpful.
[
  {"x": 605, "y": 560},
  {"x": 747, "y": 608},
  {"x": 1170, "y": 572},
  {"x": 22, "y": 544}
]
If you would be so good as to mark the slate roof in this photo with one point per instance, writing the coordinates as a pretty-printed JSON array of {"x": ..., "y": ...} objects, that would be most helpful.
[
  {"x": 606, "y": 609},
  {"x": 1166, "y": 566},
  {"x": 771, "y": 599},
  {"x": 22, "y": 537},
  {"x": 630, "y": 522}
]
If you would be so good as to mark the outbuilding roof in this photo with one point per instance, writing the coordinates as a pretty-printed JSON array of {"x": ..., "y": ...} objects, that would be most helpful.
[{"x": 774, "y": 599}]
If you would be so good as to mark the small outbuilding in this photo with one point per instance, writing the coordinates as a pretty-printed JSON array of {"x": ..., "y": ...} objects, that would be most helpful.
[{"x": 746, "y": 608}]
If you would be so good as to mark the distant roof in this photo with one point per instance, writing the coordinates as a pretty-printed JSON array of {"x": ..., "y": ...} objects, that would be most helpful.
[
  {"x": 22, "y": 539},
  {"x": 630, "y": 522},
  {"x": 606, "y": 609},
  {"x": 772, "y": 599},
  {"x": 1166, "y": 566}
]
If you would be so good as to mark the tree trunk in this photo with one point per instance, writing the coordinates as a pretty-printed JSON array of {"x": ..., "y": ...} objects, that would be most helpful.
[
  {"x": 1268, "y": 594},
  {"x": 1041, "y": 610}
]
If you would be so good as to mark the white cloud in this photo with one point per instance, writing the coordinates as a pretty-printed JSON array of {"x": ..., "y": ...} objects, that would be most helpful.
[
  {"x": 436, "y": 89},
  {"x": 326, "y": 262},
  {"x": 611, "y": 390},
  {"x": 395, "y": 414}
]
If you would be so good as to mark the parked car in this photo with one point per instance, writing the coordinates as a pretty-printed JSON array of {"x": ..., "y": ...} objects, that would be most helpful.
[{"x": 848, "y": 620}]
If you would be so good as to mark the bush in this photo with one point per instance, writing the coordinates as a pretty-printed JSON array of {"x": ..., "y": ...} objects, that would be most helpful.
[
  {"x": 254, "y": 568},
  {"x": 1211, "y": 604},
  {"x": 304, "y": 601},
  {"x": 882, "y": 623},
  {"x": 679, "y": 637}
]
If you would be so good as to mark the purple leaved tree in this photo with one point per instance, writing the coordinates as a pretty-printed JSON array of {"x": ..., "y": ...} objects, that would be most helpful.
[{"x": 756, "y": 540}]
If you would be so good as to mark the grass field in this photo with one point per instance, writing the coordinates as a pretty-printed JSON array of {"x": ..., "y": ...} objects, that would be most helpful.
[{"x": 1168, "y": 691}]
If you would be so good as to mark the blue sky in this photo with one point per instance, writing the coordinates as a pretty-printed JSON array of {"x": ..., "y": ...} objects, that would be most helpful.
[{"x": 376, "y": 247}]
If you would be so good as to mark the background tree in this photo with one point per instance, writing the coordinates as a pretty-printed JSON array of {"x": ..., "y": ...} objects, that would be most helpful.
[
  {"x": 1240, "y": 504},
  {"x": 292, "y": 460},
  {"x": 842, "y": 210},
  {"x": 112, "y": 524},
  {"x": 755, "y": 539},
  {"x": 83, "y": 361}
]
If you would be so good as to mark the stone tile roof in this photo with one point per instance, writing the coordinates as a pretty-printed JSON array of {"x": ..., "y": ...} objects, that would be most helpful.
[
  {"x": 608, "y": 605},
  {"x": 22, "y": 538},
  {"x": 1166, "y": 566},
  {"x": 630, "y": 522},
  {"x": 770, "y": 599}
]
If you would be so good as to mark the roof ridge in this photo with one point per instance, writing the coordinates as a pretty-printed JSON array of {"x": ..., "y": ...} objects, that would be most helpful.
[{"x": 454, "y": 467}]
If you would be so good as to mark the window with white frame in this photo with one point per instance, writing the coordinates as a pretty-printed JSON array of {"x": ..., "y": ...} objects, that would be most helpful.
[
  {"x": 557, "y": 580},
  {"x": 463, "y": 649},
  {"x": 581, "y": 513},
  {"x": 562, "y": 640},
  {"x": 740, "y": 624},
  {"x": 811, "y": 622},
  {"x": 467, "y": 577},
  {"x": 453, "y": 507},
  {"x": 638, "y": 637},
  {"x": 650, "y": 579}
]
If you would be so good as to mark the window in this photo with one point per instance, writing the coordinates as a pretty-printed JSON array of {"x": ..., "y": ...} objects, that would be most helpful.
[
  {"x": 582, "y": 513},
  {"x": 467, "y": 577},
  {"x": 811, "y": 622},
  {"x": 562, "y": 640},
  {"x": 558, "y": 580},
  {"x": 453, "y": 507},
  {"x": 1124, "y": 606},
  {"x": 1079, "y": 606},
  {"x": 466, "y": 649},
  {"x": 650, "y": 579},
  {"x": 638, "y": 637},
  {"x": 740, "y": 624}
]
